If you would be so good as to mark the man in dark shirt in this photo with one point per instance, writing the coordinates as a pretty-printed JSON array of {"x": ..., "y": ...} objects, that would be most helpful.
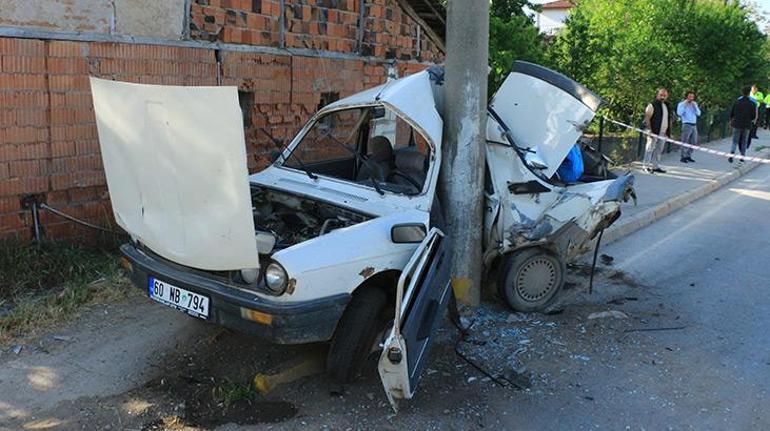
[{"x": 742, "y": 116}]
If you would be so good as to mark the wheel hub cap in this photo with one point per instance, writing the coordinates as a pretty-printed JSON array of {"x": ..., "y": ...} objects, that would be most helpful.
[{"x": 536, "y": 279}]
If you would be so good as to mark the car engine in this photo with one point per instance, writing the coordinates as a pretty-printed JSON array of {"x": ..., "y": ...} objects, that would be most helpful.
[{"x": 293, "y": 219}]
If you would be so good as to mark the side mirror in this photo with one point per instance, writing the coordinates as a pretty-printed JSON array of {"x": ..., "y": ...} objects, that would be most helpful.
[{"x": 410, "y": 233}]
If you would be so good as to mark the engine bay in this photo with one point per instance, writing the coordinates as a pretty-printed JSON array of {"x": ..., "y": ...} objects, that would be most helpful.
[{"x": 293, "y": 219}]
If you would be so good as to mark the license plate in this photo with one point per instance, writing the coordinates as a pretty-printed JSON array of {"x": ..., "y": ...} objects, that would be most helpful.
[{"x": 181, "y": 299}]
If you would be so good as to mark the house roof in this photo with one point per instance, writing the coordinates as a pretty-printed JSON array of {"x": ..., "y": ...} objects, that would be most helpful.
[
  {"x": 432, "y": 12},
  {"x": 559, "y": 4}
]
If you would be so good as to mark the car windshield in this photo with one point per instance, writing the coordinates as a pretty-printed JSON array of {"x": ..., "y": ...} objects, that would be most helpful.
[{"x": 371, "y": 146}]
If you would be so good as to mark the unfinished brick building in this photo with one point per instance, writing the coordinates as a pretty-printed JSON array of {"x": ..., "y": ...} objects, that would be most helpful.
[{"x": 287, "y": 57}]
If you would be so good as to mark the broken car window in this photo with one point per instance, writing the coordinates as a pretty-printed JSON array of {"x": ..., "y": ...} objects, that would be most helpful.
[{"x": 370, "y": 146}]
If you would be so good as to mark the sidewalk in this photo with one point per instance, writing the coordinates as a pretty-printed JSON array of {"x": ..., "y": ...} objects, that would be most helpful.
[{"x": 661, "y": 194}]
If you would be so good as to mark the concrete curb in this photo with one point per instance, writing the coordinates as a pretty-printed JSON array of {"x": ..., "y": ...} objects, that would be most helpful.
[{"x": 627, "y": 226}]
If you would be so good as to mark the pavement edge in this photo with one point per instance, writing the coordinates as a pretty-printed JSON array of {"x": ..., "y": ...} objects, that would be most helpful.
[{"x": 649, "y": 216}]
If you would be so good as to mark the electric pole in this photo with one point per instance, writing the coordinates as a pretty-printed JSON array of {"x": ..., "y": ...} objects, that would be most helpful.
[{"x": 462, "y": 166}]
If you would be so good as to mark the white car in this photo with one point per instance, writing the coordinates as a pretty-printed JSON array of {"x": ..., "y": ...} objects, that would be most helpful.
[{"x": 345, "y": 226}]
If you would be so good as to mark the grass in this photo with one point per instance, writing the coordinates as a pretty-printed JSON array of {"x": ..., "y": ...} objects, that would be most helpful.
[
  {"x": 41, "y": 285},
  {"x": 228, "y": 393}
]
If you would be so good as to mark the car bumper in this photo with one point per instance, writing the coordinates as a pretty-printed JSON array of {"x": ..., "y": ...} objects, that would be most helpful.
[{"x": 273, "y": 321}]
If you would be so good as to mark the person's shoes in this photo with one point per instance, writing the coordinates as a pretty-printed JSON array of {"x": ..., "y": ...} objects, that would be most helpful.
[
  {"x": 689, "y": 159},
  {"x": 683, "y": 160},
  {"x": 649, "y": 170},
  {"x": 659, "y": 170},
  {"x": 730, "y": 159}
]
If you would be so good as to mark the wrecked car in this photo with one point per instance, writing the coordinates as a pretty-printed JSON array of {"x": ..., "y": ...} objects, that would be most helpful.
[{"x": 340, "y": 238}]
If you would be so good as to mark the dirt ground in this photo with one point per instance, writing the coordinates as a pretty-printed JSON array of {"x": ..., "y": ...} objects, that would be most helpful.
[{"x": 685, "y": 348}]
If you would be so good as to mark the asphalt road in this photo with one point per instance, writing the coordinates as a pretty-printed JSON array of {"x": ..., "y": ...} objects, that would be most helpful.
[{"x": 692, "y": 353}]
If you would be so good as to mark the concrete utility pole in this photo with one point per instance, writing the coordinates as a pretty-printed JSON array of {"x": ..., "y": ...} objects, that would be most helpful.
[{"x": 462, "y": 168}]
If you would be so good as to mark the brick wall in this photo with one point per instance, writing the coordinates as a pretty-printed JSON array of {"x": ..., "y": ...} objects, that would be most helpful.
[
  {"x": 328, "y": 25},
  {"x": 48, "y": 139}
]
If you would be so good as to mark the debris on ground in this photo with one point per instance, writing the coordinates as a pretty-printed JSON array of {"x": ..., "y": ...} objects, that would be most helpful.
[
  {"x": 606, "y": 259},
  {"x": 615, "y": 314},
  {"x": 17, "y": 349}
]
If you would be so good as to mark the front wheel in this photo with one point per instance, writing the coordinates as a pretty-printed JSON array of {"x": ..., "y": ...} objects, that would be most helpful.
[
  {"x": 530, "y": 279},
  {"x": 356, "y": 333}
]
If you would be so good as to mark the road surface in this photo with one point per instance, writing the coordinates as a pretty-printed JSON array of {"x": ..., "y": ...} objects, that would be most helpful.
[{"x": 691, "y": 353}]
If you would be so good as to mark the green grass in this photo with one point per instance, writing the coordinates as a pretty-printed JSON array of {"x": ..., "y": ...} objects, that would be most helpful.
[
  {"x": 228, "y": 393},
  {"x": 41, "y": 285}
]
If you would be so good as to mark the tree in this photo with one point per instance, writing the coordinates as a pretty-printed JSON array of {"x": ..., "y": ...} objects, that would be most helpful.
[
  {"x": 625, "y": 50},
  {"x": 512, "y": 36}
]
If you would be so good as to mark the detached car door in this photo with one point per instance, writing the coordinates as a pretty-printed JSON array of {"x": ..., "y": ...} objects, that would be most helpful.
[{"x": 422, "y": 296}]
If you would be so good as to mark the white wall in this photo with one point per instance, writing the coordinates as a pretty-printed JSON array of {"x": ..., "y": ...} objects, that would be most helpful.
[
  {"x": 149, "y": 18},
  {"x": 551, "y": 21}
]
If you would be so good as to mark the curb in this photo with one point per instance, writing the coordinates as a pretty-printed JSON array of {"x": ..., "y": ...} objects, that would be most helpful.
[{"x": 649, "y": 216}]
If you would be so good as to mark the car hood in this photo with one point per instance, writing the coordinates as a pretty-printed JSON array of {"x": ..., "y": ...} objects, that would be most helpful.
[{"x": 175, "y": 162}]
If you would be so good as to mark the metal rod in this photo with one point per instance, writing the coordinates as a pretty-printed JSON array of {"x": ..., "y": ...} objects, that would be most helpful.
[
  {"x": 282, "y": 24},
  {"x": 361, "y": 26},
  {"x": 76, "y": 220},
  {"x": 36, "y": 221},
  {"x": 601, "y": 134},
  {"x": 593, "y": 264}
]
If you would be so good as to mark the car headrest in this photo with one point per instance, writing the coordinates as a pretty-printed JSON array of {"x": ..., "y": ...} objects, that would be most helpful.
[
  {"x": 380, "y": 149},
  {"x": 410, "y": 160}
]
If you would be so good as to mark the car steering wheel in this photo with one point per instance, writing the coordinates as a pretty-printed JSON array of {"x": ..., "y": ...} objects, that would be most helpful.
[{"x": 397, "y": 173}]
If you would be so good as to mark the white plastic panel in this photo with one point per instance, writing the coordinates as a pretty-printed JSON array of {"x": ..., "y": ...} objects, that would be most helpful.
[{"x": 175, "y": 161}]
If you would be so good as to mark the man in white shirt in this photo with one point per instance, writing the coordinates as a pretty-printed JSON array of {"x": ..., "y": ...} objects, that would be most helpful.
[
  {"x": 658, "y": 117},
  {"x": 689, "y": 112}
]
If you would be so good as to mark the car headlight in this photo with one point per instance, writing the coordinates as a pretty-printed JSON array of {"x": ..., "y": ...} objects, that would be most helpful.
[{"x": 276, "y": 278}]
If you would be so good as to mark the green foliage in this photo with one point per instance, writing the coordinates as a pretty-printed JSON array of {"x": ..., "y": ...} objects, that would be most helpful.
[
  {"x": 625, "y": 50},
  {"x": 512, "y": 36},
  {"x": 44, "y": 284}
]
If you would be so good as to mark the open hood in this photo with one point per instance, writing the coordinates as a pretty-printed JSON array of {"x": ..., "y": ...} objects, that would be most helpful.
[
  {"x": 545, "y": 111},
  {"x": 175, "y": 161}
]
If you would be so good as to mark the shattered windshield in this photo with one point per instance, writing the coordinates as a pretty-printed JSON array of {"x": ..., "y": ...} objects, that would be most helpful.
[{"x": 371, "y": 146}]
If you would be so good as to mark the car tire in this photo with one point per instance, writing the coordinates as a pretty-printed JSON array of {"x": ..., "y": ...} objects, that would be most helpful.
[
  {"x": 356, "y": 332},
  {"x": 530, "y": 278}
]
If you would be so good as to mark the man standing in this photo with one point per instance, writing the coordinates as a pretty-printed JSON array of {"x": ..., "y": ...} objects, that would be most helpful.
[
  {"x": 742, "y": 116},
  {"x": 766, "y": 118},
  {"x": 689, "y": 112},
  {"x": 759, "y": 99},
  {"x": 658, "y": 118}
]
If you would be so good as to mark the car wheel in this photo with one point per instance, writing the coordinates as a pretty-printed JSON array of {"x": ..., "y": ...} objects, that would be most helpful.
[
  {"x": 530, "y": 279},
  {"x": 356, "y": 332}
]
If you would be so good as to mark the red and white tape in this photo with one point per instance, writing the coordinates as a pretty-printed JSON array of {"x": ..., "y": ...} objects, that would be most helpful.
[{"x": 694, "y": 147}]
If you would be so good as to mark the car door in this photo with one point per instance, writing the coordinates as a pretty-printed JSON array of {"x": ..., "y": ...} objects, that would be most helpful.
[{"x": 422, "y": 295}]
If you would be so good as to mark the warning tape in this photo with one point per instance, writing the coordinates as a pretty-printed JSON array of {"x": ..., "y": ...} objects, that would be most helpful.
[{"x": 694, "y": 147}]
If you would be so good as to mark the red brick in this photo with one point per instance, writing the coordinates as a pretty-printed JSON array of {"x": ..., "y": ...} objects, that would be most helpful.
[
  {"x": 58, "y": 48},
  {"x": 28, "y": 47},
  {"x": 23, "y": 64},
  {"x": 62, "y": 149},
  {"x": 10, "y": 204},
  {"x": 27, "y": 168}
]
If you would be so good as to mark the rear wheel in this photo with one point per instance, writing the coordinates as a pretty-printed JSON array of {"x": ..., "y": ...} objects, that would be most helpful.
[
  {"x": 530, "y": 279},
  {"x": 357, "y": 330}
]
